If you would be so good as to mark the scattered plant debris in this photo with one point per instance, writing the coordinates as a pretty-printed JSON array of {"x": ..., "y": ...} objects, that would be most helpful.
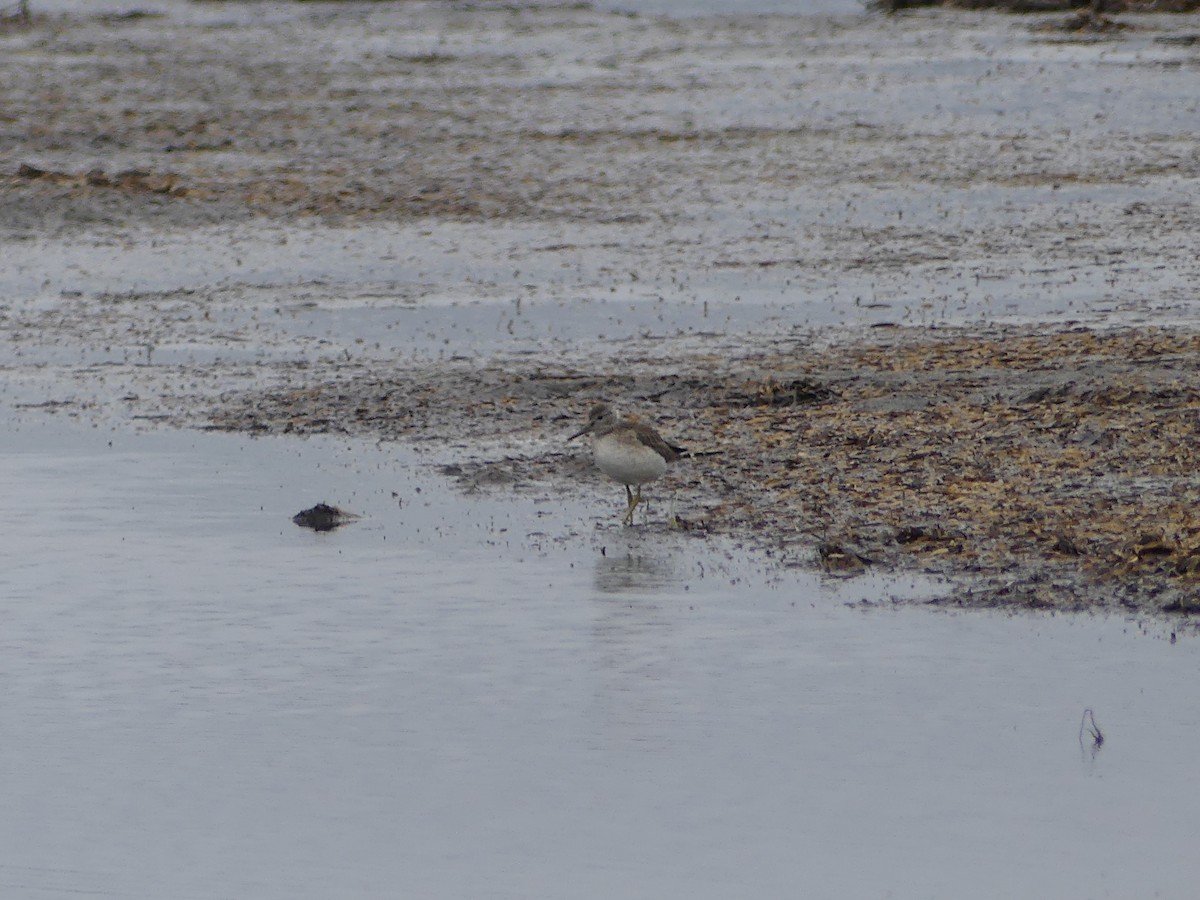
[
  {"x": 770, "y": 392},
  {"x": 131, "y": 180}
]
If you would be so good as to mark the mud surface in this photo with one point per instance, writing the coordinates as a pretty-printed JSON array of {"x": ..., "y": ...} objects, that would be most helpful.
[
  {"x": 1057, "y": 470},
  {"x": 462, "y": 224}
]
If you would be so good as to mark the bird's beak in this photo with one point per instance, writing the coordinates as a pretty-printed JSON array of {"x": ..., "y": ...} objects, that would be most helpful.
[{"x": 582, "y": 431}]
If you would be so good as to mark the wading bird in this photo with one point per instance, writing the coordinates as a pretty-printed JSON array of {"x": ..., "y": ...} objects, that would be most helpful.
[{"x": 627, "y": 450}]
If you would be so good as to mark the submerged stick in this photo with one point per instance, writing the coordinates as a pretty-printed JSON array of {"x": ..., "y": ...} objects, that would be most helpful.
[{"x": 1088, "y": 722}]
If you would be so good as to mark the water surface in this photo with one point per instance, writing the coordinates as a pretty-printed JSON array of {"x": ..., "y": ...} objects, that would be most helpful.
[{"x": 486, "y": 696}]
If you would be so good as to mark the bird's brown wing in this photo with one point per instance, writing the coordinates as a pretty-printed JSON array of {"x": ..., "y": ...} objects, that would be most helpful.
[{"x": 652, "y": 439}]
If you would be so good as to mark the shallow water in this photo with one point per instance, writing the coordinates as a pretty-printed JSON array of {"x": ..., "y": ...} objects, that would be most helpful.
[
  {"x": 490, "y": 696},
  {"x": 402, "y": 292},
  {"x": 933, "y": 169}
]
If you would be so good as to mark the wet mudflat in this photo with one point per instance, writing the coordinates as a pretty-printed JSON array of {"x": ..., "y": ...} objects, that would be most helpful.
[
  {"x": 1043, "y": 469},
  {"x": 204, "y": 700}
]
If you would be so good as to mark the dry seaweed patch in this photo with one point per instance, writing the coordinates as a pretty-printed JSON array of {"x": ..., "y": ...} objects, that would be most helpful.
[
  {"x": 1049, "y": 470},
  {"x": 131, "y": 181},
  {"x": 1061, "y": 465}
]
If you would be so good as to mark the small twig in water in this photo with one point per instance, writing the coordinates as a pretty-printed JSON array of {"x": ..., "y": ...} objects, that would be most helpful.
[{"x": 1088, "y": 723}]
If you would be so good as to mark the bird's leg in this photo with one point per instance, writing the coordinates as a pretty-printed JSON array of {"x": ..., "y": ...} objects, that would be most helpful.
[
  {"x": 637, "y": 498},
  {"x": 634, "y": 499},
  {"x": 672, "y": 519}
]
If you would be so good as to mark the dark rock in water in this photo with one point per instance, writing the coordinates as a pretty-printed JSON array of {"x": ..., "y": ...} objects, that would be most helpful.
[{"x": 323, "y": 517}]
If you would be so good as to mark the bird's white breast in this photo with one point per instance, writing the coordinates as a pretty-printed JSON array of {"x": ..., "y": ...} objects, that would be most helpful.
[{"x": 629, "y": 462}]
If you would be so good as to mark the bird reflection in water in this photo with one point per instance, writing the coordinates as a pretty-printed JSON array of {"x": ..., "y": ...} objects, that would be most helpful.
[{"x": 634, "y": 573}]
